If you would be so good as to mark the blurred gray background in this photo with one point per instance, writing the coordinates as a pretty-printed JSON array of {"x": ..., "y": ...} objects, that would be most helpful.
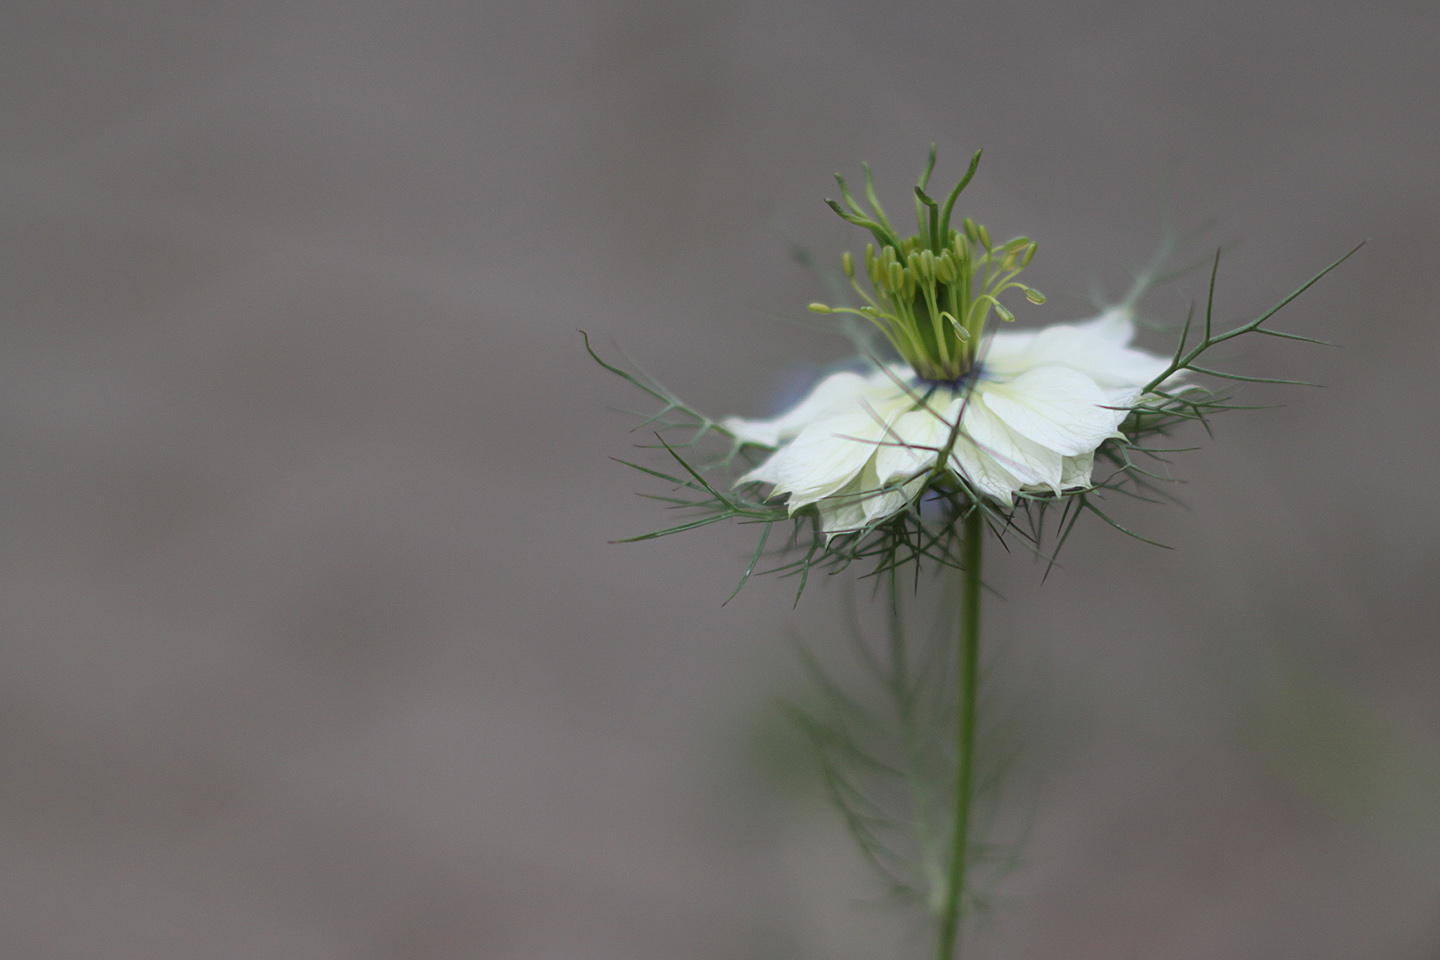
[{"x": 313, "y": 643}]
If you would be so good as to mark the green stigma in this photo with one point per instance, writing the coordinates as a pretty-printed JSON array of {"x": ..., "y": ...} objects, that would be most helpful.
[{"x": 931, "y": 292}]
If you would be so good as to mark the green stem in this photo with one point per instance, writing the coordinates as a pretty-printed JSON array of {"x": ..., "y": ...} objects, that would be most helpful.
[{"x": 967, "y": 666}]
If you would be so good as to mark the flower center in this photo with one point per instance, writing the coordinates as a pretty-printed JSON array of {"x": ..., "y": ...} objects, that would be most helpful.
[
  {"x": 927, "y": 386},
  {"x": 931, "y": 293}
]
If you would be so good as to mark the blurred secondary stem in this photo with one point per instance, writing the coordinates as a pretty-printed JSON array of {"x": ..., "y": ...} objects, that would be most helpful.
[{"x": 967, "y": 667}]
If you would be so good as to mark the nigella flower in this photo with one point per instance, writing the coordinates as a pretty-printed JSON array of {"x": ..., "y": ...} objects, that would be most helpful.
[
  {"x": 1001, "y": 413},
  {"x": 951, "y": 434},
  {"x": 953, "y": 424},
  {"x": 1027, "y": 416}
]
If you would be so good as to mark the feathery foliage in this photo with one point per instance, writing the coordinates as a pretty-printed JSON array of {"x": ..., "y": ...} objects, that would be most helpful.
[{"x": 886, "y": 759}]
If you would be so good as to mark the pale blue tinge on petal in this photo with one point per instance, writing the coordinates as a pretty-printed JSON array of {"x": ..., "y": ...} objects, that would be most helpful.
[{"x": 835, "y": 395}]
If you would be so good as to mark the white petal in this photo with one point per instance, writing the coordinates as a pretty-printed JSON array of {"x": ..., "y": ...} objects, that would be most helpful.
[
  {"x": 1098, "y": 348},
  {"x": 1005, "y": 353},
  {"x": 863, "y": 501},
  {"x": 912, "y": 444},
  {"x": 983, "y": 473},
  {"x": 836, "y": 394},
  {"x": 1057, "y": 407},
  {"x": 840, "y": 515},
  {"x": 823, "y": 458},
  {"x": 844, "y": 510},
  {"x": 1076, "y": 471},
  {"x": 995, "y": 441},
  {"x": 1121, "y": 398},
  {"x": 876, "y": 499}
]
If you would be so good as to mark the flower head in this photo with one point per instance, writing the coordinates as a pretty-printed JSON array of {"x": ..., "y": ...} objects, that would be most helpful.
[
  {"x": 1027, "y": 416},
  {"x": 1001, "y": 413},
  {"x": 963, "y": 424}
]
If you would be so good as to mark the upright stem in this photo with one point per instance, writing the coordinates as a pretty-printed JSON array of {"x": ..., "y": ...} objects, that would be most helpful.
[{"x": 967, "y": 667}]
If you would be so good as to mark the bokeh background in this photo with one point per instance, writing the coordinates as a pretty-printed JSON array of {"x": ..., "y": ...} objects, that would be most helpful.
[{"x": 313, "y": 644}]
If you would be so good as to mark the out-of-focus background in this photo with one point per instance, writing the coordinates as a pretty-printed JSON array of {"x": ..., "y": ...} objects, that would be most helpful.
[{"x": 313, "y": 643}]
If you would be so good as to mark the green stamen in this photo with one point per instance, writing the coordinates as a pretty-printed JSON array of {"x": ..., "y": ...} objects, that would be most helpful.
[{"x": 932, "y": 291}]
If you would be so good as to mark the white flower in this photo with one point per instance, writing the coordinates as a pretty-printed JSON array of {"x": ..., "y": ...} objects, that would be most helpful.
[{"x": 1031, "y": 414}]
